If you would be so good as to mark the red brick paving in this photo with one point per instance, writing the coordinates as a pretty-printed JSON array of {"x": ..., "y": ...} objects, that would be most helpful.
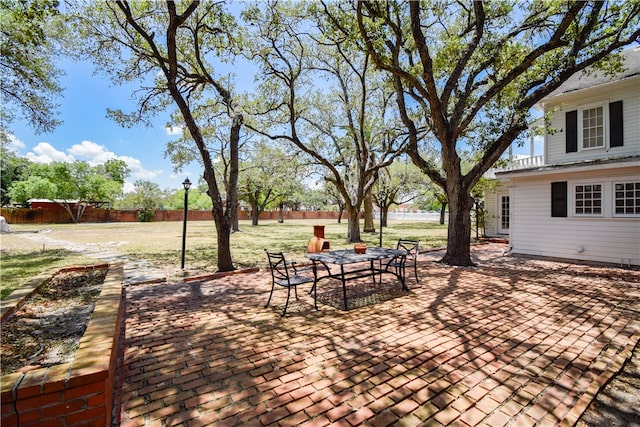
[{"x": 514, "y": 341}]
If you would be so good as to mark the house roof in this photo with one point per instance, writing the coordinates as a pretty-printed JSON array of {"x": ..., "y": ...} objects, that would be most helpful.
[
  {"x": 611, "y": 162},
  {"x": 51, "y": 201},
  {"x": 590, "y": 78}
]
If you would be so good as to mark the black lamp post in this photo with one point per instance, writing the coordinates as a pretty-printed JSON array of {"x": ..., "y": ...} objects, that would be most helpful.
[
  {"x": 186, "y": 184},
  {"x": 381, "y": 201}
]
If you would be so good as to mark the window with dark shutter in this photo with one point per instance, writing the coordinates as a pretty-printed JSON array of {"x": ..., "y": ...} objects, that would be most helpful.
[
  {"x": 559, "y": 199},
  {"x": 571, "y": 135},
  {"x": 615, "y": 124}
]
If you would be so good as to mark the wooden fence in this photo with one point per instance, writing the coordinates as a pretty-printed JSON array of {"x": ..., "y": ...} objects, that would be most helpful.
[{"x": 56, "y": 216}]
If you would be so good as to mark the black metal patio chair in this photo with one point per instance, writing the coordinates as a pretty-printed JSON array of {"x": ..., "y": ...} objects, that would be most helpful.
[
  {"x": 412, "y": 248},
  {"x": 281, "y": 276}
]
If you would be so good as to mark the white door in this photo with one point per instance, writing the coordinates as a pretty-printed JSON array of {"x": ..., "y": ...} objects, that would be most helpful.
[{"x": 505, "y": 214}]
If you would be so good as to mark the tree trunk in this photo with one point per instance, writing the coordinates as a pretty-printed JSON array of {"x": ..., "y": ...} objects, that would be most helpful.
[
  {"x": 69, "y": 211},
  {"x": 340, "y": 212},
  {"x": 225, "y": 263},
  {"x": 459, "y": 228},
  {"x": 223, "y": 212},
  {"x": 369, "y": 226},
  {"x": 236, "y": 223},
  {"x": 169, "y": 64},
  {"x": 80, "y": 211},
  {"x": 353, "y": 226},
  {"x": 231, "y": 214},
  {"x": 443, "y": 211},
  {"x": 384, "y": 211},
  {"x": 254, "y": 215},
  {"x": 75, "y": 218},
  {"x": 280, "y": 213}
]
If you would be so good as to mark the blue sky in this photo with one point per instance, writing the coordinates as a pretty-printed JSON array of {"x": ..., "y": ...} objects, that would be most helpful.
[{"x": 87, "y": 134}]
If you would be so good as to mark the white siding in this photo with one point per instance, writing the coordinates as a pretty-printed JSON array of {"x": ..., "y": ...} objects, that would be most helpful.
[
  {"x": 603, "y": 239},
  {"x": 627, "y": 91}
]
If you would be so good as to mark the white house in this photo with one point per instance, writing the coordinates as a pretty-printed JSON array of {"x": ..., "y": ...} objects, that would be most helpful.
[{"x": 580, "y": 199}]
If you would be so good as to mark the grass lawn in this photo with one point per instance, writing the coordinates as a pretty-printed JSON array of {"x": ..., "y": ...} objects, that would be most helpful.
[
  {"x": 18, "y": 266},
  {"x": 160, "y": 243}
]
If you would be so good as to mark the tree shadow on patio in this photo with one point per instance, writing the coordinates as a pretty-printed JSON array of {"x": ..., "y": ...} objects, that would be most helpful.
[{"x": 361, "y": 294}]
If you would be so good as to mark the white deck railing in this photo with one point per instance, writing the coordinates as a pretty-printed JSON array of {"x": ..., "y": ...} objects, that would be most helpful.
[
  {"x": 515, "y": 164},
  {"x": 525, "y": 162}
]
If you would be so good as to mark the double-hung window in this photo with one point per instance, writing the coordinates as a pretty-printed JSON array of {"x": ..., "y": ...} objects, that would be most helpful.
[
  {"x": 626, "y": 198},
  {"x": 588, "y": 199},
  {"x": 593, "y": 127}
]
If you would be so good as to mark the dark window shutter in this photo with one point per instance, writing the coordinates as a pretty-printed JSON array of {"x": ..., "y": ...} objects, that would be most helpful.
[
  {"x": 615, "y": 124},
  {"x": 571, "y": 136},
  {"x": 559, "y": 199}
]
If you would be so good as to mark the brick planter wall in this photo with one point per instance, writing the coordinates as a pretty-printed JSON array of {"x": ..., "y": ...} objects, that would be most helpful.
[{"x": 78, "y": 393}]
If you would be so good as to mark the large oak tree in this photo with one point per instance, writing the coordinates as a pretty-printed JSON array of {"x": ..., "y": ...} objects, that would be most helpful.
[
  {"x": 30, "y": 33},
  {"x": 171, "y": 49},
  {"x": 323, "y": 96},
  {"x": 470, "y": 72}
]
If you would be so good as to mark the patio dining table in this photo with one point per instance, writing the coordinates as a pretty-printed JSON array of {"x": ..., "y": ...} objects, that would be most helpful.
[{"x": 344, "y": 257}]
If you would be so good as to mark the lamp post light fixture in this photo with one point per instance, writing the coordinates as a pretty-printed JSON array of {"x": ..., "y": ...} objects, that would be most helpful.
[
  {"x": 186, "y": 184},
  {"x": 381, "y": 197}
]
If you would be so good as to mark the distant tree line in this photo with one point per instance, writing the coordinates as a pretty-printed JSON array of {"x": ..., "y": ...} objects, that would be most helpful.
[{"x": 269, "y": 181}]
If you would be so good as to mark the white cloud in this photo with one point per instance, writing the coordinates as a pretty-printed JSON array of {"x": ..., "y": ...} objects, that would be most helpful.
[
  {"x": 174, "y": 130},
  {"x": 14, "y": 143},
  {"x": 137, "y": 170},
  {"x": 128, "y": 187},
  {"x": 92, "y": 153},
  {"x": 47, "y": 153}
]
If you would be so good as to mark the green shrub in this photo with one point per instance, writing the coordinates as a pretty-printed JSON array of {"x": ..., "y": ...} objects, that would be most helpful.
[{"x": 146, "y": 215}]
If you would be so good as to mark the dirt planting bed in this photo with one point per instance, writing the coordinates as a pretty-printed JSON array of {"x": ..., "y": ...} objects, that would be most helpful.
[{"x": 46, "y": 329}]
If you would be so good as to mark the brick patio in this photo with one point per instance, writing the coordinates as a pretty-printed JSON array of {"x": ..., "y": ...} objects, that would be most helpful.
[{"x": 514, "y": 341}]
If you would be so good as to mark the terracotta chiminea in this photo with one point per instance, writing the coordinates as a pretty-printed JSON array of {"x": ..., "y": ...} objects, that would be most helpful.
[{"x": 318, "y": 243}]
